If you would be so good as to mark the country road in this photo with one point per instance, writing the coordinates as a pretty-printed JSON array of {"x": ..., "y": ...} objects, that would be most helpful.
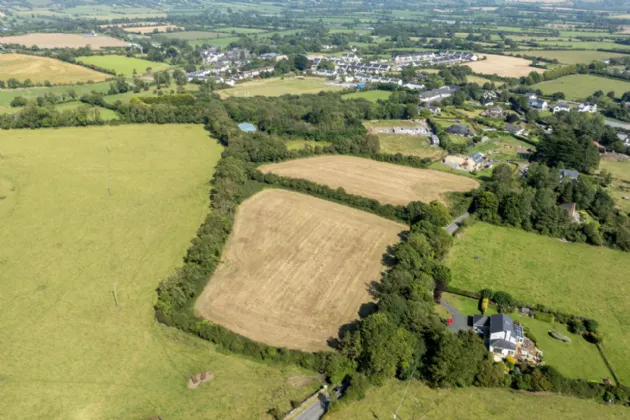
[{"x": 316, "y": 410}]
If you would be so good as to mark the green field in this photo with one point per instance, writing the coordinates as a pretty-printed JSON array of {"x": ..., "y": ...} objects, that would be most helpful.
[
  {"x": 299, "y": 144},
  {"x": 235, "y": 30},
  {"x": 67, "y": 352},
  {"x": 278, "y": 86},
  {"x": 577, "y": 359},
  {"x": 7, "y": 95},
  {"x": 621, "y": 181},
  {"x": 193, "y": 35},
  {"x": 573, "y": 278},
  {"x": 409, "y": 145},
  {"x": 580, "y": 86},
  {"x": 125, "y": 97},
  {"x": 106, "y": 114},
  {"x": 570, "y": 56},
  {"x": 370, "y": 95},
  {"x": 417, "y": 401},
  {"x": 123, "y": 65}
]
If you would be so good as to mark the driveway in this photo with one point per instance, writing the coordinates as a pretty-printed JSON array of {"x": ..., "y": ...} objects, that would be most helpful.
[
  {"x": 460, "y": 321},
  {"x": 457, "y": 223}
]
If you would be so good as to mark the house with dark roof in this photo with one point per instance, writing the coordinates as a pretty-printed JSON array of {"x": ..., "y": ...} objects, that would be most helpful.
[
  {"x": 570, "y": 174},
  {"x": 571, "y": 209},
  {"x": 460, "y": 130},
  {"x": 561, "y": 106},
  {"x": 538, "y": 104},
  {"x": 500, "y": 333}
]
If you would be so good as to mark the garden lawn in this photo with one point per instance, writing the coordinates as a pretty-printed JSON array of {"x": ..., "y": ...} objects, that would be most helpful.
[
  {"x": 123, "y": 65},
  {"x": 370, "y": 95},
  {"x": 577, "y": 359},
  {"x": 414, "y": 400},
  {"x": 67, "y": 352},
  {"x": 580, "y": 86},
  {"x": 572, "y": 278},
  {"x": 277, "y": 86}
]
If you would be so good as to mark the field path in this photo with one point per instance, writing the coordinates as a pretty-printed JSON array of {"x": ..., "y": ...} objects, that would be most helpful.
[{"x": 385, "y": 182}]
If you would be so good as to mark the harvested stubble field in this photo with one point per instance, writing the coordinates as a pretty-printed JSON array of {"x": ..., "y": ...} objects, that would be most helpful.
[
  {"x": 40, "y": 69},
  {"x": 149, "y": 29},
  {"x": 277, "y": 86},
  {"x": 385, "y": 182},
  {"x": 63, "y": 41},
  {"x": 503, "y": 66},
  {"x": 295, "y": 269}
]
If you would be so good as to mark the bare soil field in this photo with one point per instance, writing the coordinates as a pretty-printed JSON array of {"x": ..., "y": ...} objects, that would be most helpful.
[
  {"x": 503, "y": 66},
  {"x": 63, "y": 41},
  {"x": 385, "y": 182},
  {"x": 295, "y": 269},
  {"x": 149, "y": 29},
  {"x": 40, "y": 69}
]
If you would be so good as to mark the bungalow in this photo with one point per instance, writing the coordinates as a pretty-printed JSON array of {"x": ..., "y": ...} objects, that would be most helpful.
[
  {"x": 561, "y": 106},
  {"x": 495, "y": 112},
  {"x": 571, "y": 174},
  {"x": 432, "y": 109},
  {"x": 587, "y": 107},
  {"x": 516, "y": 130},
  {"x": 460, "y": 130},
  {"x": 438, "y": 94},
  {"x": 538, "y": 104}
]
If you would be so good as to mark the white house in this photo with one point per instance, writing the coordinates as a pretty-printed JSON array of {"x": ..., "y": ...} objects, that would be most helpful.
[
  {"x": 538, "y": 104},
  {"x": 587, "y": 107},
  {"x": 500, "y": 333},
  {"x": 561, "y": 106}
]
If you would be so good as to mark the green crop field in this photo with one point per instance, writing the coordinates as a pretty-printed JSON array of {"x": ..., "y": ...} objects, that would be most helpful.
[
  {"x": 7, "y": 95},
  {"x": 570, "y": 56},
  {"x": 67, "y": 352},
  {"x": 123, "y": 65},
  {"x": 580, "y": 86},
  {"x": 573, "y": 278},
  {"x": 240, "y": 30},
  {"x": 621, "y": 181},
  {"x": 194, "y": 35},
  {"x": 370, "y": 95},
  {"x": 279, "y": 86},
  {"x": 414, "y": 400},
  {"x": 577, "y": 359}
]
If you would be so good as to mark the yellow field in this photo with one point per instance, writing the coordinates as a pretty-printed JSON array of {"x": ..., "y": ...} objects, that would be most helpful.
[
  {"x": 503, "y": 66},
  {"x": 63, "y": 41},
  {"x": 277, "y": 86},
  {"x": 385, "y": 182},
  {"x": 149, "y": 29},
  {"x": 292, "y": 278},
  {"x": 39, "y": 69}
]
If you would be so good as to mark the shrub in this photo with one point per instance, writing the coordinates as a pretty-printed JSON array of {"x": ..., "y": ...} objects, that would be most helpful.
[
  {"x": 590, "y": 325},
  {"x": 484, "y": 305},
  {"x": 18, "y": 101},
  {"x": 576, "y": 326},
  {"x": 486, "y": 293},
  {"x": 503, "y": 299}
]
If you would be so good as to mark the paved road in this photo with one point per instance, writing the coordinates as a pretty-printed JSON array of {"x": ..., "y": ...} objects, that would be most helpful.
[
  {"x": 457, "y": 223},
  {"x": 316, "y": 410},
  {"x": 617, "y": 124},
  {"x": 460, "y": 321}
]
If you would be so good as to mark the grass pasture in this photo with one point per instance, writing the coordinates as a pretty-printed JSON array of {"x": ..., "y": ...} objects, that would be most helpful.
[
  {"x": 291, "y": 279},
  {"x": 63, "y": 41},
  {"x": 149, "y": 29},
  {"x": 502, "y": 66},
  {"x": 40, "y": 69},
  {"x": 621, "y": 181},
  {"x": 277, "y": 86},
  {"x": 574, "y": 278},
  {"x": 122, "y": 64},
  {"x": 409, "y": 145},
  {"x": 82, "y": 358},
  {"x": 580, "y": 86},
  {"x": 385, "y": 182},
  {"x": 370, "y": 95},
  {"x": 417, "y": 401},
  {"x": 7, "y": 95},
  {"x": 193, "y": 35}
]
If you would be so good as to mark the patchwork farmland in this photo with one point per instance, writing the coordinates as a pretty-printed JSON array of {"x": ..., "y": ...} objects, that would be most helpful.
[
  {"x": 291, "y": 279},
  {"x": 47, "y": 41},
  {"x": 503, "y": 66},
  {"x": 279, "y": 87},
  {"x": 385, "y": 182}
]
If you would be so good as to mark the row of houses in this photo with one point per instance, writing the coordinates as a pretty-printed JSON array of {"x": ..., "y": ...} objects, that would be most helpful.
[
  {"x": 444, "y": 57},
  {"x": 209, "y": 74},
  {"x": 438, "y": 94},
  {"x": 540, "y": 104}
]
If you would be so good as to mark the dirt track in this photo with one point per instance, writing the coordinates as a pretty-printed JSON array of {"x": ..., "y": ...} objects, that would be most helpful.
[
  {"x": 295, "y": 269},
  {"x": 385, "y": 182}
]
